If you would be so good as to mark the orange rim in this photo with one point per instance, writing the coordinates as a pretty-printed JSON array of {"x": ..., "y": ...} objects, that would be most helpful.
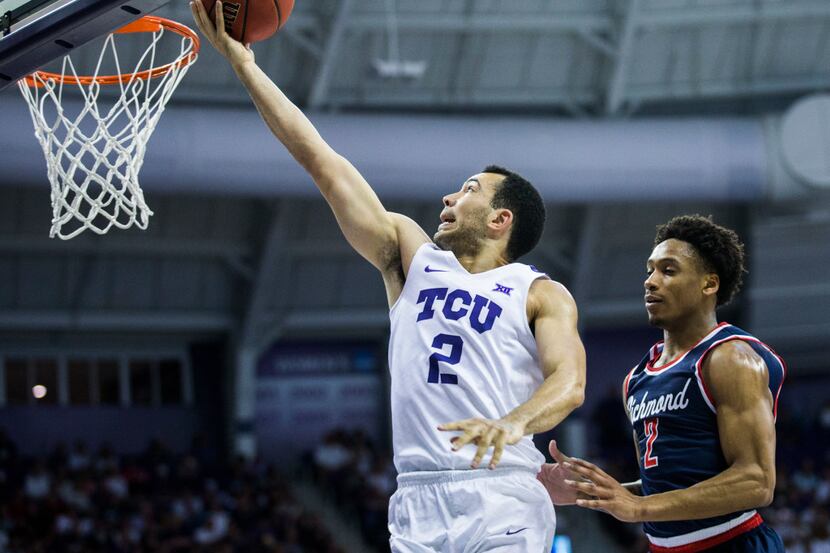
[{"x": 147, "y": 24}]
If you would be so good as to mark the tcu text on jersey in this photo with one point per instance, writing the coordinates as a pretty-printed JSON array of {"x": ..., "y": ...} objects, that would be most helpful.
[{"x": 458, "y": 304}]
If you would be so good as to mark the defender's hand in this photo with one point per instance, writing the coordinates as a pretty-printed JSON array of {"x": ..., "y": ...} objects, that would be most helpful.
[
  {"x": 485, "y": 433},
  {"x": 606, "y": 494},
  {"x": 554, "y": 476},
  {"x": 236, "y": 52}
]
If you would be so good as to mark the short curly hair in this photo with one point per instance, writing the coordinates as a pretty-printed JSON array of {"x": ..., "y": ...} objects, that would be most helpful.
[
  {"x": 719, "y": 248},
  {"x": 523, "y": 200}
]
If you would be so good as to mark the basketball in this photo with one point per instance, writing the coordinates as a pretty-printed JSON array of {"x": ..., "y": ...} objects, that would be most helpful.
[{"x": 252, "y": 20}]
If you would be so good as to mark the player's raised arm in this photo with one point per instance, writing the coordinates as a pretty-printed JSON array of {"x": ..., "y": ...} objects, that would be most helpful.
[{"x": 368, "y": 227}]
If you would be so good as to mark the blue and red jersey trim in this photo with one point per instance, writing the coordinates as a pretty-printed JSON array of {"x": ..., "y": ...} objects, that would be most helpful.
[{"x": 676, "y": 544}]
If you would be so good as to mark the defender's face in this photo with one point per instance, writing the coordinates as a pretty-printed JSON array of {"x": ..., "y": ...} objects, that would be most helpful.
[
  {"x": 675, "y": 283},
  {"x": 465, "y": 212}
]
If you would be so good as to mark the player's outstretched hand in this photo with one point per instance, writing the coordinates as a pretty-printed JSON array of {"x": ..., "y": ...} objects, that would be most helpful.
[
  {"x": 605, "y": 492},
  {"x": 554, "y": 477},
  {"x": 236, "y": 52},
  {"x": 485, "y": 433}
]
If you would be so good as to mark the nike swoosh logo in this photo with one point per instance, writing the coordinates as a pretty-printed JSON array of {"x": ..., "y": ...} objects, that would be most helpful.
[
  {"x": 509, "y": 533},
  {"x": 428, "y": 270}
]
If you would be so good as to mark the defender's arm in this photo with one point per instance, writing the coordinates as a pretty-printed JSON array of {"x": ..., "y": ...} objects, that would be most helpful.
[
  {"x": 738, "y": 381},
  {"x": 368, "y": 227}
]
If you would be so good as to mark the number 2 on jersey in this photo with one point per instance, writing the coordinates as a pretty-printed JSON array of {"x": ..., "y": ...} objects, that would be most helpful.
[
  {"x": 649, "y": 460},
  {"x": 456, "y": 345}
]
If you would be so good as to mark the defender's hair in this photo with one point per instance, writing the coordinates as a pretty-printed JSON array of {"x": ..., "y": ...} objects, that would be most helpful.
[{"x": 719, "y": 248}]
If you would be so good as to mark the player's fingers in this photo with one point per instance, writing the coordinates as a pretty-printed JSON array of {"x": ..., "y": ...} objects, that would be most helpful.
[
  {"x": 206, "y": 25},
  {"x": 582, "y": 470},
  {"x": 457, "y": 425},
  {"x": 588, "y": 488},
  {"x": 588, "y": 465},
  {"x": 462, "y": 440},
  {"x": 199, "y": 15},
  {"x": 220, "y": 20},
  {"x": 497, "y": 452},
  {"x": 595, "y": 504},
  {"x": 483, "y": 445},
  {"x": 557, "y": 455},
  {"x": 591, "y": 490}
]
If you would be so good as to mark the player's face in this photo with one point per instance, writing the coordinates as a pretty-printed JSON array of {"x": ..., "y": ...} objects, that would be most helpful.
[
  {"x": 676, "y": 282},
  {"x": 465, "y": 214}
]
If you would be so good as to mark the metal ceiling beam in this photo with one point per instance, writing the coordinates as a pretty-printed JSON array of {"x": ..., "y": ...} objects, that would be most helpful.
[
  {"x": 235, "y": 255},
  {"x": 628, "y": 34},
  {"x": 598, "y": 43},
  {"x": 503, "y": 23},
  {"x": 333, "y": 319},
  {"x": 685, "y": 91},
  {"x": 586, "y": 257},
  {"x": 749, "y": 13},
  {"x": 117, "y": 246},
  {"x": 166, "y": 321},
  {"x": 320, "y": 87},
  {"x": 305, "y": 43},
  {"x": 432, "y": 99},
  {"x": 273, "y": 274},
  {"x": 274, "y": 266}
]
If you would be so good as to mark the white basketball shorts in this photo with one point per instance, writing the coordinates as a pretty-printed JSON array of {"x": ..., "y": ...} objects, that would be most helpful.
[{"x": 467, "y": 511}]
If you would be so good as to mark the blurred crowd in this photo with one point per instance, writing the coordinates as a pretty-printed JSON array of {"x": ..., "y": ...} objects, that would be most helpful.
[
  {"x": 359, "y": 477},
  {"x": 77, "y": 500},
  {"x": 800, "y": 512}
]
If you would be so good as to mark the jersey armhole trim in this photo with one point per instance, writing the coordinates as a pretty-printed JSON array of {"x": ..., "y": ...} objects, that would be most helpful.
[
  {"x": 707, "y": 396},
  {"x": 406, "y": 277},
  {"x": 527, "y": 298},
  {"x": 628, "y": 379}
]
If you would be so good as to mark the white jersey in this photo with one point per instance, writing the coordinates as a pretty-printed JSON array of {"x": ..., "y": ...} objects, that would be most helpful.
[{"x": 460, "y": 347}]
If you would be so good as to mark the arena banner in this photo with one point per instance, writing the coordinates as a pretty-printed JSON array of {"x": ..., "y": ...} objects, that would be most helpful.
[{"x": 306, "y": 389}]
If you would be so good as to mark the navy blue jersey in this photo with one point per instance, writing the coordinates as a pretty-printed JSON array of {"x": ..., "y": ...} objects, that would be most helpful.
[{"x": 675, "y": 421}]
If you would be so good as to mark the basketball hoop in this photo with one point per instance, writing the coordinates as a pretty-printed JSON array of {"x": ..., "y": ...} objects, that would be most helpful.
[{"x": 93, "y": 157}]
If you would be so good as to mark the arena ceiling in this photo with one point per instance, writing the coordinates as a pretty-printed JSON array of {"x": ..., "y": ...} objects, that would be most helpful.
[
  {"x": 255, "y": 267},
  {"x": 583, "y": 57}
]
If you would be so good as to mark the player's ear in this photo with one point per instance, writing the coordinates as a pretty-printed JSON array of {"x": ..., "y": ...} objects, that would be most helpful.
[
  {"x": 711, "y": 284},
  {"x": 500, "y": 219}
]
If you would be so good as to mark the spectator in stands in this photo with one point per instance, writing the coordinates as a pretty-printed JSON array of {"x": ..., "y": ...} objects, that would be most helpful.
[
  {"x": 157, "y": 502},
  {"x": 38, "y": 482}
]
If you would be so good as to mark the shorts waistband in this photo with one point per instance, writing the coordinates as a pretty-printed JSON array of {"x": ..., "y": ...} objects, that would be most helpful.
[{"x": 423, "y": 478}]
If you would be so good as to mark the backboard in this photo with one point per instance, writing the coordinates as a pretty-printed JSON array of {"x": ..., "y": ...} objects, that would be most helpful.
[{"x": 35, "y": 32}]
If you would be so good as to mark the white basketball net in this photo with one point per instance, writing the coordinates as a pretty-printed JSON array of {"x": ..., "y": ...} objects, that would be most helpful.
[{"x": 94, "y": 154}]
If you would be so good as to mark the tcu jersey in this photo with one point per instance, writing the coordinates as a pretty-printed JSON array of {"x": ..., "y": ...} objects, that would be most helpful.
[
  {"x": 460, "y": 347},
  {"x": 674, "y": 418}
]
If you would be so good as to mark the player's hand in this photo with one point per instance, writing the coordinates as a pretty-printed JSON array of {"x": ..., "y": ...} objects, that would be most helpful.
[
  {"x": 605, "y": 492},
  {"x": 236, "y": 52},
  {"x": 485, "y": 433},
  {"x": 554, "y": 475}
]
